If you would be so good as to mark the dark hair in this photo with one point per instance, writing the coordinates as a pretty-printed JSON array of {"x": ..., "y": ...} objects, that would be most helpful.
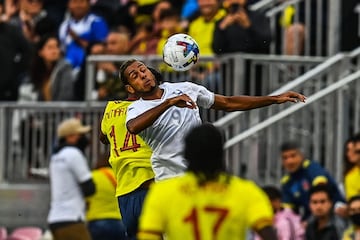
[
  {"x": 272, "y": 192},
  {"x": 321, "y": 188},
  {"x": 168, "y": 13},
  {"x": 39, "y": 72},
  {"x": 125, "y": 65},
  {"x": 290, "y": 145},
  {"x": 122, "y": 69},
  {"x": 204, "y": 151},
  {"x": 353, "y": 199}
]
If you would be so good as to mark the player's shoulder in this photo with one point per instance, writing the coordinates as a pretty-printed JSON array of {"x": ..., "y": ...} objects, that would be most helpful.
[
  {"x": 118, "y": 103},
  {"x": 244, "y": 184}
]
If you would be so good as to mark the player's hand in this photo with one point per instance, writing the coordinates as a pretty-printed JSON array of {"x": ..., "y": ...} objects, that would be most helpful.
[
  {"x": 182, "y": 101},
  {"x": 290, "y": 97}
]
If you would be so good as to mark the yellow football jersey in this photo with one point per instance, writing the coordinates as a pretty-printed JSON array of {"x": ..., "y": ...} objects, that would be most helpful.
[
  {"x": 223, "y": 209},
  {"x": 352, "y": 180},
  {"x": 103, "y": 204},
  {"x": 129, "y": 154}
]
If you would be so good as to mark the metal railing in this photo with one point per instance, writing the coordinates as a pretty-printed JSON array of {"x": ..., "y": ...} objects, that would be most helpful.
[
  {"x": 321, "y": 126},
  {"x": 320, "y": 19}
]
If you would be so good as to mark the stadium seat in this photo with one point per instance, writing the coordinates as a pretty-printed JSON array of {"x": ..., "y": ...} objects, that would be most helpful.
[
  {"x": 30, "y": 233},
  {"x": 3, "y": 233}
]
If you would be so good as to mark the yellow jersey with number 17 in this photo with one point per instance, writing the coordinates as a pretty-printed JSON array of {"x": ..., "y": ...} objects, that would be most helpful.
[
  {"x": 182, "y": 209},
  {"x": 129, "y": 154}
]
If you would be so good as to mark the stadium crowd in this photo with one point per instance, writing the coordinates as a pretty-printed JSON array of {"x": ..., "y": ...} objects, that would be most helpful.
[{"x": 44, "y": 45}]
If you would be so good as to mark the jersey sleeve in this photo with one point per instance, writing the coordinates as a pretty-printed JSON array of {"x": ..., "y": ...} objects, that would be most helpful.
[
  {"x": 79, "y": 166},
  {"x": 205, "y": 98},
  {"x": 260, "y": 213},
  {"x": 152, "y": 219}
]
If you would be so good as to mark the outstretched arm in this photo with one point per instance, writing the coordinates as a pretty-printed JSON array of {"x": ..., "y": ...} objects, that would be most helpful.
[
  {"x": 240, "y": 103},
  {"x": 147, "y": 118}
]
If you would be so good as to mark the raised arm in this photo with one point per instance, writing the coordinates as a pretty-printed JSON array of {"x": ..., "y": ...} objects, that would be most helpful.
[
  {"x": 147, "y": 118},
  {"x": 240, "y": 103}
]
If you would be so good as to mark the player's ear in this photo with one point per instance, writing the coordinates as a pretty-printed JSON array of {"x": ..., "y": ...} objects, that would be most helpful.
[{"x": 129, "y": 89}]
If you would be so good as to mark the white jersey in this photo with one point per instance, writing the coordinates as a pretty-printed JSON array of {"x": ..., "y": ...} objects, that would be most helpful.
[
  {"x": 167, "y": 133},
  {"x": 68, "y": 168}
]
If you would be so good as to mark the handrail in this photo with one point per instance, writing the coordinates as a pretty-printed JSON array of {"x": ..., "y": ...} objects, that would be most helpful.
[
  {"x": 261, "y": 4},
  {"x": 356, "y": 52},
  {"x": 289, "y": 86},
  {"x": 281, "y": 7},
  {"x": 275, "y": 118}
]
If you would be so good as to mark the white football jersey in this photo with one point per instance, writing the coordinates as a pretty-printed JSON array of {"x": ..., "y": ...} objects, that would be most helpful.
[{"x": 166, "y": 135}]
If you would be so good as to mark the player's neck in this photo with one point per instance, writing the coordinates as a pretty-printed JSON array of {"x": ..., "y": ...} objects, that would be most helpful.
[{"x": 156, "y": 93}]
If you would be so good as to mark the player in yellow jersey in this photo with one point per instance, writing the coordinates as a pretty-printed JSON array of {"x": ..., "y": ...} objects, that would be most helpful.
[
  {"x": 130, "y": 160},
  {"x": 206, "y": 202},
  {"x": 102, "y": 211}
]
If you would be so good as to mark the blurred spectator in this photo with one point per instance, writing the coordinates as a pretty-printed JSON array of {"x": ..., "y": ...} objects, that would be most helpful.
[
  {"x": 202, "y": 30},
  {"x": 9, "y": 9},
  {"x": 323, "y": 224},
  {"x": 241, "y": 30},
  {"x": 353, "y": 232},
  {"x": 352, "y": 178},
  {"x": 70, "y": 182},
  {"x": 149, "y": 31},
  {"x": 297, "y": 29},
  {"x": 15, "y": 52},
  {"x": 189, "y": 9},
  {"x": 106, "y": 9},
  {"x": 286, "y": 222},
  {"x": 124, "y": 18},
  {"x": 301, "y": 175},
  {"x": 158, "y": 9},
  {"x": 102, "y": 213},
  {"x": 107, "y": 76},
  {"x": 349, "y": 156},
  {"x": 79, "y": 31},
  {"x": 142, "y": 43},
  {"x": 33, "y": 20},
  {"x": 50, "y": 75},
  {"x": 170, "y": 24}
]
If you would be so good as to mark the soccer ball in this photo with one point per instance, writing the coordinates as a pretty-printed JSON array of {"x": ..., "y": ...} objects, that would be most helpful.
[{"x": 181, "y": 52}]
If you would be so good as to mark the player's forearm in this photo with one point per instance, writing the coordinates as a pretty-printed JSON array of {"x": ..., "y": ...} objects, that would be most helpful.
[
  {"x": 241, "y": 103},
  {"x": 146, "y": 119}
]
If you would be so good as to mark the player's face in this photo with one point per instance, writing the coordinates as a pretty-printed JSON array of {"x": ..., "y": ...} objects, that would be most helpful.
[
  {"x": 141, "y": 80},
  {"x": 320, "y": 204},
  {"x": 291, "y": 159}
]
